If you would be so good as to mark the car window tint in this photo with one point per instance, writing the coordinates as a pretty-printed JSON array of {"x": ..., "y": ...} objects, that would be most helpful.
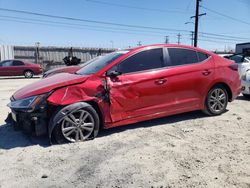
[
  {"x": 145, "y": 60},
  {"x": 7, "y": 63},
  {"x": 202, "y": 56},
  {"x": 18, "y": 63},
  {"x": 237, "y": 58},
  {"x": 179, "y": 56}
]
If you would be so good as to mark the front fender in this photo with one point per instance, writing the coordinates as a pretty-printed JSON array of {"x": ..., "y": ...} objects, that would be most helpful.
[{"x": 69, "y": 95}]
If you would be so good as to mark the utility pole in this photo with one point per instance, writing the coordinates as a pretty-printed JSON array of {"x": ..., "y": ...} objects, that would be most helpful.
[
  {"x": 192, "y": 38},
  {"x": 179, "y": 38},
  {"x": 196, "y": 25},
  {"x": 112, "y": 44},
  {"x": 37, "y": 44},
  {"x": 139, "y": 43},
  {"x": 166, "y": 40}
]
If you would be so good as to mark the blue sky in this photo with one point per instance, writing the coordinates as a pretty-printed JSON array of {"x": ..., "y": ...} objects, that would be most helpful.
[{"x": 22, "y": 29}]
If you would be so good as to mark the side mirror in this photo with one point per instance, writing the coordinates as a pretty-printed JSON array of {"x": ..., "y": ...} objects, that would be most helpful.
[{"x": 113, "y": 73}]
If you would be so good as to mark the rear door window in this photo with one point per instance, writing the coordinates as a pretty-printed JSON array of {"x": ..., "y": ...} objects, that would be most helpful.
[
  {"x": 180, "y": 56},
  {"x": 145, "y": 60},
  {"x": 202, "y": 56},
  {"x": 18, "y": 63}
]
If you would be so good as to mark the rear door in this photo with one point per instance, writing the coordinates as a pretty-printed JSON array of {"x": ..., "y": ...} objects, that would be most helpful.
[
  {"x": 18, "y": 67},
  {"x": 190, "y": 73}
]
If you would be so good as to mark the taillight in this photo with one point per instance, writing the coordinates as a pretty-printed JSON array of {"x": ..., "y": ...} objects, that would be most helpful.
[{"x": 234, "y": 66}]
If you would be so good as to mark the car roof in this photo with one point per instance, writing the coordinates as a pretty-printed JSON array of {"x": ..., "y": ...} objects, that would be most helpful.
[{"x": 171, "y": 45}]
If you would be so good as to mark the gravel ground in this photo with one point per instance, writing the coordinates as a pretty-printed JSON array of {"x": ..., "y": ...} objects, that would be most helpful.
[{"x": 186, "y": 150}]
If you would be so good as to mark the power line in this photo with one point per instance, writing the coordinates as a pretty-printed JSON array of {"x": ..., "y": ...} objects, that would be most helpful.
[
  {"x": 226, "y": 16},
  {"x": 136, "y": 7},
  {"x": 65, "y": 26},
  {"x": 214, "y": 41},
  {"x": 218, "y": 38},
  {"x": 221, "y": 35},
  {"x": 91, "y": 26},
  {"x": 90, "y": 21},
  {"x": 114, "y": 24}
]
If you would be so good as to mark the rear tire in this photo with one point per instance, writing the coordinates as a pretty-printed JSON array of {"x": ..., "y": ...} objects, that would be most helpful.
[
  {"x": 28, "y": 74},
  {"x": 80, "y": 125},
  {"x": 216, "y": 101}
]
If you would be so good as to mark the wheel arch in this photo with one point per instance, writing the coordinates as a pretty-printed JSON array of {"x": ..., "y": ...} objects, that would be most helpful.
[
  {"x": 95, "y": 105},
  {"x": 28, "y": 70},
  {"x": 226, "y": 86},
  {"x": 65, "y": 110}
]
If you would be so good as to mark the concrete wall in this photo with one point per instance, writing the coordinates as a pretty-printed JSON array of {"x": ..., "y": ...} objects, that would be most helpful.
[
  {"x": 56, "y": 54},
  {"x": 49, "y": 57},
  {"x": 6, "y": 52}
]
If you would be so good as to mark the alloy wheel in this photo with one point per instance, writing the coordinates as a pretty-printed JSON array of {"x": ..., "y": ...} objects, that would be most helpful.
[
  {"x": 28, "y": 74},
  {"x": 217, "y": 100},
  {"x": 78, "y": 126}
]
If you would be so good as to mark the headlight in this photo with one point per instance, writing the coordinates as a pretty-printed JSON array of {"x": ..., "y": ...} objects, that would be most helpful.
[{"x": 28, "y": 103}]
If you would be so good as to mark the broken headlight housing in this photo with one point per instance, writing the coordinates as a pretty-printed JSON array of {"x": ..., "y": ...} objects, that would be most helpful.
[{"x": 28, "y": 103}]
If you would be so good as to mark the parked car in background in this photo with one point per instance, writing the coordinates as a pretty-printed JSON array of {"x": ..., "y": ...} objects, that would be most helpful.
[
  {"x": 243, "y": 61},
  {"x": 68, "y": 69},
  {"x": 245, "y": 84},
  {"x": 125, "y": 87},
  {"x": 19, "y": 68}
]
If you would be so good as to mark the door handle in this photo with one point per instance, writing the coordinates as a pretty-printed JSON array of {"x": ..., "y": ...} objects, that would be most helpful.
[
  {"x": 160, "y": 81},
  {"x": 206, "y": 72}
]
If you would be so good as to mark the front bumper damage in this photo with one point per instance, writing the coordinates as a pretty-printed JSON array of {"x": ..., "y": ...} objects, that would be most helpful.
[
  {"x": 35, "y": 122},
  {"x": 31, "y": 123}
]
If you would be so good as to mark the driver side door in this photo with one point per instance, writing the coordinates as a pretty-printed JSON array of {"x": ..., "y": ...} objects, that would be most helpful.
[{"x": 141, "y": 88}]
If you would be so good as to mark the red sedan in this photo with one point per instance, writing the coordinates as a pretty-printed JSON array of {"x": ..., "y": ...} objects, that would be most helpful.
[
  {"x": 19, "y": 68},
  {"x": 125, "y": 87}
]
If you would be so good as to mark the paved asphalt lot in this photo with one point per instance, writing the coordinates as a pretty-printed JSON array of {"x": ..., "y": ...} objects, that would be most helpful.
[{"x": 187, "y": 150}]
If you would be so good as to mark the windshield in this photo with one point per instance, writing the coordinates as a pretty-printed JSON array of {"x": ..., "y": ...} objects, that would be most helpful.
[
  {"x": 89, "y": 61},
  {"x": 97, "y": 64}
]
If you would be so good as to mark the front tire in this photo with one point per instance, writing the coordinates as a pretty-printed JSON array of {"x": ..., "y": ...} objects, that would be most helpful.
[
  {"x": 28, "y": 74},
  {"x": 79, "y": 125},
  {"x": 216, "y": 101}
]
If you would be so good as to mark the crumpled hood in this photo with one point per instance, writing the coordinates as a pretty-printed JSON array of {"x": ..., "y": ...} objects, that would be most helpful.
[{"x": 48, "y": 84}]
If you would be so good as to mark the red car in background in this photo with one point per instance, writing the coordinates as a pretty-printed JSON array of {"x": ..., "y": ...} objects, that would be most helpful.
[
  {"x": 125, "y": 87},
  {"x": 19, "y": 68}
]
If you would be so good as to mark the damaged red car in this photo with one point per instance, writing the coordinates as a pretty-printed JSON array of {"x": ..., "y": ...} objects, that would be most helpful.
[{"x": 125, "y": 87}]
